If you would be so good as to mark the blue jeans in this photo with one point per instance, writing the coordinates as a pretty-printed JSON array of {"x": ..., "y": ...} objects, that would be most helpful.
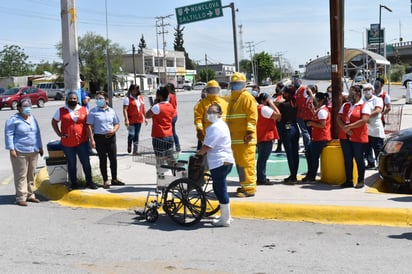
[
  {"x": 290, "y": 139},
  {"x": 175, "y": 137},
  {"x": 219, "y": 175},
  {"x": 313, "y": 155},
  {"x": 82, "y": 151},
  {"x": 353, "y": 150},
  {"x": 263, "y": 149},
  {"x": 134, "y": 130},
  {"x": 306, "y": 132},
  {"x": 375, "y": 144}
]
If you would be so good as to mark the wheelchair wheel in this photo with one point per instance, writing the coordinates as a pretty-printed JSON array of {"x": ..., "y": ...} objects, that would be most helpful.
[
  {"x": 184, "y": 202},
  {"x": 212, "y": 204},
  {"x": 152, "y": 215}
]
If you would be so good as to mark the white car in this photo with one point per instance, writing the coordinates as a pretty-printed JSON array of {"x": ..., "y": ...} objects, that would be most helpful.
[
  {"x": 199, "y": 86},
  {"x": 406, "y": 78}
]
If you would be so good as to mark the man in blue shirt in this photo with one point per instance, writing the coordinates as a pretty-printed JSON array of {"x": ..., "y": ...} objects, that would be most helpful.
[{"x": 104, "y": 123}]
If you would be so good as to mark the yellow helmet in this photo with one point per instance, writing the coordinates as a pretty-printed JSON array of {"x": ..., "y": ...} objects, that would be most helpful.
[
  {"x": 212, "y": 87},
  {"x": 238, "y": 77}
]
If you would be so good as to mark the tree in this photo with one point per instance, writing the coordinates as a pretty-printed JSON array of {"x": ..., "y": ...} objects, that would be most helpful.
[
  {"x": 264, "y": 66},
  {"x": 207, "y": 75},
  {"x": 13, "y": 61},
  {"x": 178, "y": 46},
  {"x": 43, "y": 66},
  {"x": 245, "y": 66},
  {"x": 92, "y": 59},
  {"x": 142, "y": 44}
]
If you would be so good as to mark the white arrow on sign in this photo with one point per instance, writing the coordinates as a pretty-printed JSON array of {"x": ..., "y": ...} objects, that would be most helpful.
[
  {"x": 187, "y": 10},
  {"x": 210, "y": 13}
]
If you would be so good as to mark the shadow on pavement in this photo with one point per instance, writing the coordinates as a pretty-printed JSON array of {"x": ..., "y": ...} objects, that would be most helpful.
[{"x": 405, "y": 236}]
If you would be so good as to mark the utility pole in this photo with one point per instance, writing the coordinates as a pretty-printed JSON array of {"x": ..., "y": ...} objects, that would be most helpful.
[
  {"x": 241, "y": 46},
  {"x": 249, "y": 46},
  {"x": 336, "y": 14},
  {"x": 134, "y": 65},
  {"x": 69, "y": 46},
  {"x": 109, "y": 66},
  {"x": 162, "y": 32}
]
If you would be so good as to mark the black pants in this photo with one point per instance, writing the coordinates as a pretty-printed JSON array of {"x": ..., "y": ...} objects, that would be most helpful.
[{"x": 106, "y": 147}]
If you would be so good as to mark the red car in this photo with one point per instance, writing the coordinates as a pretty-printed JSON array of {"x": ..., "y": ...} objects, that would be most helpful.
[{"x": 10, "y": 97}]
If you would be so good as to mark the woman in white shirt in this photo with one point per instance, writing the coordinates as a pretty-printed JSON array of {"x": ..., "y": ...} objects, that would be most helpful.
[{"x": 217, "y": 145}]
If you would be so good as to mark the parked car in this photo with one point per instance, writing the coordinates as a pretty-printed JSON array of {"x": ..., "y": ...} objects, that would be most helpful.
[
  {"x": 199, "y": 86},
  {"x": 406, "y": 78},
  {"x": 187, "y": 85},
  {"x": 53, "y": 90},
  {"x": 119, "y": 93},
  {"x": 395, "y": 160},
  {"x": 11, "y": 96}
]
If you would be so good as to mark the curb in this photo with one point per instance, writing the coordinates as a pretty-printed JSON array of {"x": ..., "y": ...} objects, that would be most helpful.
[{"x": 325, "y": 214}]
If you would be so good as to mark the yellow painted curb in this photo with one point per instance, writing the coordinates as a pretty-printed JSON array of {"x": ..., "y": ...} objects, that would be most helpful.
[
  {"x": 77, "y": 198},
  {"x": 326, "y": 214}
]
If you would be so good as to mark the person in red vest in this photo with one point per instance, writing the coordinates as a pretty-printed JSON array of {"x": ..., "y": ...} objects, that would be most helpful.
[
  {"x": 379, "y": 92},
  {"x": 74, "y": 136},
  {"x": 353, "y": 119},
  {"x": 162, "y": 114},
  {"x": 268, "y": 113},
  {"x": 173, "y": 101},
  {"x": 134, "y": 115},
  {"x": 321, "y": 134}
]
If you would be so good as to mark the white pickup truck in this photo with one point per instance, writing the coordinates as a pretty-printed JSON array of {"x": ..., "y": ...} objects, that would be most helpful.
[{"x": 54, "y": 90}]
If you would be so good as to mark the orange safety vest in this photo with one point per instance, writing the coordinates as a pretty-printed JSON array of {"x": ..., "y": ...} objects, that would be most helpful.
[
  {"x": 322, "y": 134},
  {"x": 134, "y": 114},
  {"x": 74, "y": 132},
  {"x": 359, "y": 134},
  {"x": 162, "y": 122},
  {"x": 266, "y": 128}
]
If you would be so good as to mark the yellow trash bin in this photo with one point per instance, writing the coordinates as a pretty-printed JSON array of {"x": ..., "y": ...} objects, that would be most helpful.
[{"x": 332, "y": 165}]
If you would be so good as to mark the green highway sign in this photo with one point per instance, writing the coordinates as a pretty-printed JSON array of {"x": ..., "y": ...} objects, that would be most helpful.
[{"x": 200, "y": 11}]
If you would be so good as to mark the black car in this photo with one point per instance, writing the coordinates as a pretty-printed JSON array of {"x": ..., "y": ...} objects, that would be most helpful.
[{"x": 395, "y": 160}]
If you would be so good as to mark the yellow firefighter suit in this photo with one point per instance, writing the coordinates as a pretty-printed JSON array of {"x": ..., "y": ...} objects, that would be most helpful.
[
  {"x": 200, "y": 110},
  {"x": 242, "y": 118}
]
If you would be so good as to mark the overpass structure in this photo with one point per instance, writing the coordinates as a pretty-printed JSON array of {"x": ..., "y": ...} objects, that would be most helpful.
[{"x": 399, "y": 53}]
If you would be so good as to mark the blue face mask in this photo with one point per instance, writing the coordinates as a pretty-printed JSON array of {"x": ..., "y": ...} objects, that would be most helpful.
[
  {"x": 27, "y": 111},
  {"x": 236, "y": 86},
  {"x": 100, "y": 103}
]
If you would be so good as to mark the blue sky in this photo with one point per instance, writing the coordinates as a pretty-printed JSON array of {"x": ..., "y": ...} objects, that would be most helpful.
[{"x": 299, "y": 30}]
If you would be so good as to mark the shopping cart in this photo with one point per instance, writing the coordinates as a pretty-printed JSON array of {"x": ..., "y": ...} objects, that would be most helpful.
[{"x": 184, "y": 194}]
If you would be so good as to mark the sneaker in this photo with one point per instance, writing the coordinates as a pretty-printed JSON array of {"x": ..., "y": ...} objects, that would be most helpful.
[
  {"x": 307, "y": 179},
  {"x": 290, "y": 180},
  {"x": 346, "y": 185},
  {"x": 116, "y": 182},
  {"x": 241, "y": 193},
  {"x": 360, "y": 184},
  {"x": 33, "y": 200},
  {"x": 21, "y": 203},
  {"x": 370, "y": 166},
  {"x": 267, "y": 182},
  {"x": 92, "y": 185}
]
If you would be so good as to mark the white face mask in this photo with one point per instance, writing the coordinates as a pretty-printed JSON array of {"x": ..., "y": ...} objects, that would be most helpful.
[{"x": 212, "y": 117}]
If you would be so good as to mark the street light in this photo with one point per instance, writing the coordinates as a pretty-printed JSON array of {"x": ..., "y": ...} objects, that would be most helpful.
[{"x": 380, "y": 11}]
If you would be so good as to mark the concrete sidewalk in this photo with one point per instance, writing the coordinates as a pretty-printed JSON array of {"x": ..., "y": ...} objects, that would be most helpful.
[
  {"x": 319, "y": 202},
  {"x": 316, "y": 202}
]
